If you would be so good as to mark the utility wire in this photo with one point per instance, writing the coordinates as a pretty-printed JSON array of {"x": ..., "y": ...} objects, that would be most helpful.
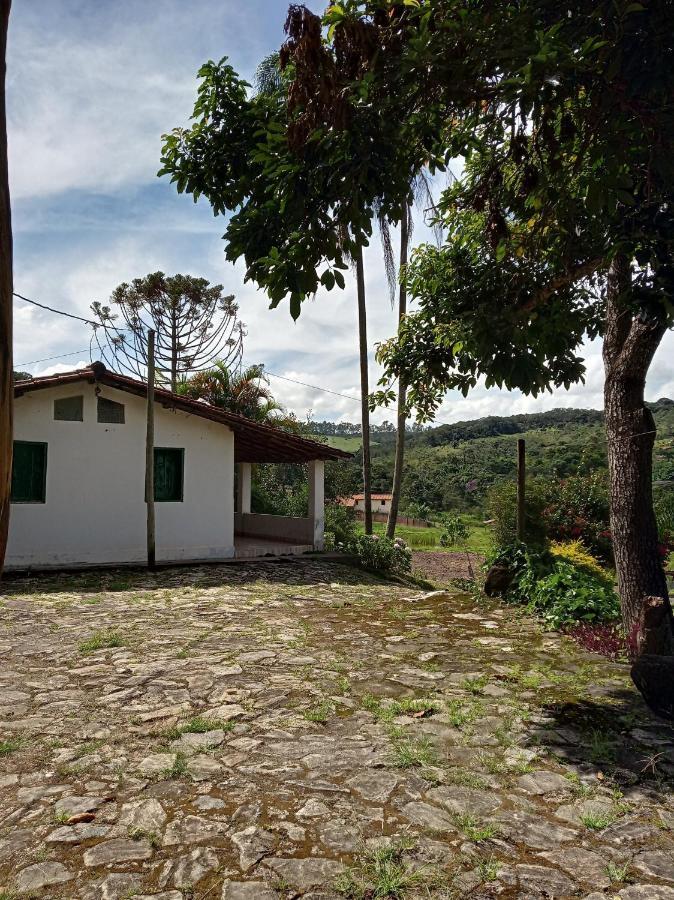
[
  {"x": 60, "y": 312},
  {"x": 312, "y": 386},
  {"x": 32, "y": 362}
]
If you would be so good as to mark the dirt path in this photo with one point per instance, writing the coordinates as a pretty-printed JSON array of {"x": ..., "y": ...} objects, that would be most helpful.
[
  {"x": 300, "y": 729},
  {"x": 442, "y": 567}
]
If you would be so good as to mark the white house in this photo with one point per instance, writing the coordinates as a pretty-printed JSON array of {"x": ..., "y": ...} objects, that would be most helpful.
[
  {"x": 78, "y": 477},
  {"x": 381, "y": 503}
]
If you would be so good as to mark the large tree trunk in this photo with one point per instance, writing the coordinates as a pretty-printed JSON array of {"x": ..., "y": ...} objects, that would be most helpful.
[
  {"x": 629, "y": 345},
  {"x": 401, "y": 424},
  {"x": 364, "y": 389},
  {"x": 6, "y": 376}
]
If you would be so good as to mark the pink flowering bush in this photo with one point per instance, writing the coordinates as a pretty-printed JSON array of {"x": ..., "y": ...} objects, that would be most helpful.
[{"x": 381, "y": 554}]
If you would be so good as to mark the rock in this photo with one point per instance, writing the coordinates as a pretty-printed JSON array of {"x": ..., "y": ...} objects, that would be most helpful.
[
  {"x": 314, "y": 809},
  {"x": 74, "y": 806},
  {"x": 655, "y": 863},
  {"x": 197, "y": 743},
  {"x": 207, "y": 802},
  {"x": 226, "y": 712},
  {"x": 548, "y": 882},
  {"x": 584, "y": 865},
  {"x": 192, "y": 830},
  {"x": 376, "y": 787},
  {"x": 157, "y": 764},
  {"x": 147, "y": 815},
  {"x": 75, "y": 834},
  {"x": 165, "y": 895},
  {"x": 462, "y": 800},
  {"x": 576, "y": 812},
  {"x": 534, "y": 831},
  {"x": 42, "y": 875},
  {"x": 203, "y": 767},
  {"x": 116, "y": 851},
  {"x": 498, "y": 580},
  {"x": 340, "y": 838},
  {"x": 304, "y": 874},
  {"x": 120, "y": 886},
  {"x": 629, "y": 833},
  {"x": 253, "y": 844},
  {"x": 544, "y": 783},
  {"x": 247, "y": 890},
  {"x": 190, "y": 869},
  {"x": 647, "y": 892},
  {"x": 427, "y": 816}
]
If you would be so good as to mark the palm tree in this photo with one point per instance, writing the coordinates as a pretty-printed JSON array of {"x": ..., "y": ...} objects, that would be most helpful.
[
  {"x": 6, "y": 389},
  {"x": 420, "y": 193},
  {"x": 245, "y": 393}
]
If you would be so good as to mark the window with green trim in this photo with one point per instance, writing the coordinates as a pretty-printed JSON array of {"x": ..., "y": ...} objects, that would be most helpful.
[
  {"x": 110, "y": 412},
  {"x": 69, "y": 409},
  {"x": 29, "y": 472},
  {"x": 169, "y": 464}
]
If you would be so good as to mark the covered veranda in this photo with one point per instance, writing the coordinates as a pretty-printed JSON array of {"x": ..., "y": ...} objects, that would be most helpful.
[{"x": 258, "y": 534}]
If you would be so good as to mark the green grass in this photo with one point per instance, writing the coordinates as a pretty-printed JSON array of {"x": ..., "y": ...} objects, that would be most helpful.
[
  {"x": 100, "y": 640},
  {"x": 384, "y": 873},
  {"x": 479, "y": 539},
  {"x": 199, "y": 725},
  {"x": 11, "y": 745},
  {"x": 319, "y": 712},
  {"x": 473, "y": 829}
]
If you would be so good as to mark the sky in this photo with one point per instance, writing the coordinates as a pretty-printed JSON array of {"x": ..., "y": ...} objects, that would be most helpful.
[{"x": 92, "y": 86}]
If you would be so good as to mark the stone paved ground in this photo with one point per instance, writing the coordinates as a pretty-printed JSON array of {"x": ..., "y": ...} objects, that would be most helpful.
[{"x": 300, "y": 729}]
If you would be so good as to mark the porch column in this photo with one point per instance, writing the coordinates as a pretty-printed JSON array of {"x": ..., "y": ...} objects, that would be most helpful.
[
  {"x": 244, "y": 488},
  {"x": 317, "y": 501}
]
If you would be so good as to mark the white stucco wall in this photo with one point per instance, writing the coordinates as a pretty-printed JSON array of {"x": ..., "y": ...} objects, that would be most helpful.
[{"x": 95, "y": 511}]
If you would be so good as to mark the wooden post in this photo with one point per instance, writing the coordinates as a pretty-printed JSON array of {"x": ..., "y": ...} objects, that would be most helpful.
[
  {"x": 521, "y": 489},
  {"x": 149, "y": 453},
  {"x": 6, "y": 379}
]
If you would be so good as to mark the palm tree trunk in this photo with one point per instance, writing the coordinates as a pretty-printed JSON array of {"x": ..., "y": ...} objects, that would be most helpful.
[
  {"x": 402, "y": 387},
  {"x": 364, "y": 389},
  {"x": 6, "y": 374}
]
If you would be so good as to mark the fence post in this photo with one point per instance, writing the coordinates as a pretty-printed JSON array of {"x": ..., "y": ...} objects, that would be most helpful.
[
  {"x": 521, "y": 489},
  {"x": 149, "y": 453}
]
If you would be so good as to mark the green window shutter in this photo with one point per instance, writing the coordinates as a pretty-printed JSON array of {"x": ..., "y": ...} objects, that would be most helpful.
[
  {"x": 69, "y": 409},
  {"x": 110, "y": 412},
  {"x": 168, "y": 474},
  {"x": 29, "y": 472}
]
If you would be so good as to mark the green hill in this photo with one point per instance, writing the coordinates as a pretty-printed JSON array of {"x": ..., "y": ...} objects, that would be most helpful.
[{"x": 452, "y": 466}]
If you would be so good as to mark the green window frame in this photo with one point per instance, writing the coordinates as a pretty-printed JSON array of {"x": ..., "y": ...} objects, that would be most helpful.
[
  {"x": 69, "y": 409},
  {"x": 109, "y": 412},
  {"x": 169, "y": 471},
  {"x": 29, "y": 472}
]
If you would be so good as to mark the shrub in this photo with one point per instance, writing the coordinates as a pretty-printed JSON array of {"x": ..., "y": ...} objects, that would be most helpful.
[
  {"x": 381, "y": 554},
  {"x": 454, "y": 531},
  {"x": 578, "y": 509},
  {"x": 572, "y": 594},
  {"x": 664, "y": 514},
  {"x": 340, "y": 525},
  {"x": 578, "y": 555},
  {"x": 561, "y": 591},
  {"x": 575, "y": 508}
]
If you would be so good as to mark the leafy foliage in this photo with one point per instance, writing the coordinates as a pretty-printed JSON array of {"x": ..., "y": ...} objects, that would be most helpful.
[
  {"x": 559, "y": 590},
  {"x": 245, "y": 393},
  {"x": 381, "y": 554}
]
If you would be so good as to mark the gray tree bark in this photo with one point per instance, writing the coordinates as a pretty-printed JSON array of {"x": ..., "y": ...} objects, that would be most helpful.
[
  {"x": 401, "y": 423},
  {"x": 630, "y": 343},
  {"x": 6, "y": 287},
  {"x": 364, "y": 389}
]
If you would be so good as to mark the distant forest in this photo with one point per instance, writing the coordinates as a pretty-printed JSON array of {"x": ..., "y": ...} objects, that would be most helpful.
[{"x": 453, "y": 466}]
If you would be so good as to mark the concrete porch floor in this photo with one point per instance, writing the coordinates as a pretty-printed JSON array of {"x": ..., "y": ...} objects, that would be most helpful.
[{"x": 250, "y": 547}]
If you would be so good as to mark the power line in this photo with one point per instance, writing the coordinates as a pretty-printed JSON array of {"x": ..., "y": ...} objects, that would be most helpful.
[
  {"x": 314, "y": 387},
  {"x": 32, "y": 362},
  {"x": 61, "y": 312}
]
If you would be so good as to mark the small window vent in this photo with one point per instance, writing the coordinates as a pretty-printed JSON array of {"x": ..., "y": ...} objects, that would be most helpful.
[
  {"x": 110, "y": 412},
  {"x": 69, "y": 409}
]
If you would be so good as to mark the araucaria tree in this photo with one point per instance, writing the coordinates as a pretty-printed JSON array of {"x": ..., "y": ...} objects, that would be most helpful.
[
  {"x": 195, "y": 324},
  {"x": 561, "y": 228}
]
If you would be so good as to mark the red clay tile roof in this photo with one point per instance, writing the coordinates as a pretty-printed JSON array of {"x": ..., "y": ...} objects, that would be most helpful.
[{"x": 253, "y": 441}]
